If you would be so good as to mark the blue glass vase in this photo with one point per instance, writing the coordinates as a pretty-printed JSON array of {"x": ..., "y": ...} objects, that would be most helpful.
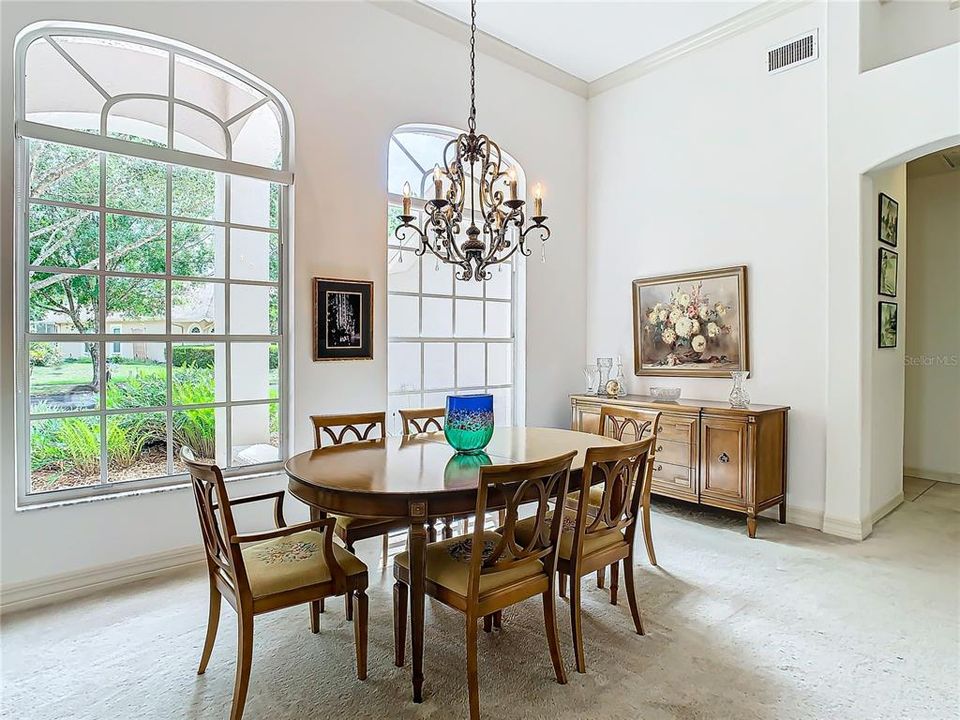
[{"x": 468, "y": 425}]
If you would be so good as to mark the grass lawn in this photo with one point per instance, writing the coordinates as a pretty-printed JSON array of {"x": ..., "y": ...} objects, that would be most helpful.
[{"x": 47, "y": 379}]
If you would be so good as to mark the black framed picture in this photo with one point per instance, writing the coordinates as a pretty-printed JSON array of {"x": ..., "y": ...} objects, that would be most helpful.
[
  {"x": 342, "y": 319},
  {"x": 887, "y": 221},
  {"x": 887, "y": 325},
  {"x": 887, "y": 272}
]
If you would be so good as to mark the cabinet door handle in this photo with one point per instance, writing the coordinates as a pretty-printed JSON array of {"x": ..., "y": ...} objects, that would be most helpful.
[
  {"x": 724, "y": 458},
  {"x": 658, "y": 468},
  {"x": 659, "y": 448}
]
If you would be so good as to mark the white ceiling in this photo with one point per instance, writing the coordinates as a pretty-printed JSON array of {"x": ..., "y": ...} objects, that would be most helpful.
[{"x": 591, "y": 39}]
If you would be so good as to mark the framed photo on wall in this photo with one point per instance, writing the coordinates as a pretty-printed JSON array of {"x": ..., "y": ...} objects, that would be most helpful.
[
  {"x": 691, "y": 324},
  {"x": 887, "y": 272},
  {"x": 342, "y": 319},
  {"x": 887, "y": 325},
  {"x": 887, "y": 221}
]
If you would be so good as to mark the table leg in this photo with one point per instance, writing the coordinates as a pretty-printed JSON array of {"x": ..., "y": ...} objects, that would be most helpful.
[{"x": 418, "y": 559}]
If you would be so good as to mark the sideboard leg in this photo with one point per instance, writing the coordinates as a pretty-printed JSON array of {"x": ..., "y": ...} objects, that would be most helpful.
[
  {"x": 752, "y": 525},
  {"x": 783, "y": 512}
]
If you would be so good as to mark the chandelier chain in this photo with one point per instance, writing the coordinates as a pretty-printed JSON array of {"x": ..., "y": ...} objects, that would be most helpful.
[{"x": 472, "y": 121}]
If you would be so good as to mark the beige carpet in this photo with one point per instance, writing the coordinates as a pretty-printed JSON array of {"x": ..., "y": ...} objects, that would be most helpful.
[{"x": 794, "y": 624}]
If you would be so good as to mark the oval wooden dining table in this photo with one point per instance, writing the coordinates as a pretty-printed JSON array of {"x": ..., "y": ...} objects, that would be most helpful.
[{"x": 421, "y": 478}]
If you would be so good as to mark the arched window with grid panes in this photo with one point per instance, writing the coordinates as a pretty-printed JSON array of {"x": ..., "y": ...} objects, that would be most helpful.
[
  {"x": 446, "y": 336},
  {"x": 152, "y": 235}
]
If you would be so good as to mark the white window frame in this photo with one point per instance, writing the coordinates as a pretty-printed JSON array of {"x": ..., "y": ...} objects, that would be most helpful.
[
  {"x": 517, "y": 303},
  {"x": 25, "y": 131}
]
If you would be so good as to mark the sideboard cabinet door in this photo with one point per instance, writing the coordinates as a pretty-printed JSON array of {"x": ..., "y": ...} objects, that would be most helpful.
[{"x": 723, "y": 463}]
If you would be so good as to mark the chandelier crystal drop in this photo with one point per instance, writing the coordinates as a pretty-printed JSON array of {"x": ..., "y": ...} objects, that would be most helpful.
[{"x": 473, "y": 168}]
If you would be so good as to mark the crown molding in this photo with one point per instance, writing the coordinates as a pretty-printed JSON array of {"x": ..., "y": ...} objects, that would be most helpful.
[
  {"x": 427, "y": 17},
  {"x": 746, "y": 20}
]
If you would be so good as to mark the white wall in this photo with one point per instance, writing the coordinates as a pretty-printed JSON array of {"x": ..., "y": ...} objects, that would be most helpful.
[
  {"x": 886, "y": 382},
  {"x": 351, "y": 73},
  {"x": 708, "y": 162},
  {"x": 867, "y": 132},
  {"x": 932, "y": 328},
  {"x": 899, "y": 29}
]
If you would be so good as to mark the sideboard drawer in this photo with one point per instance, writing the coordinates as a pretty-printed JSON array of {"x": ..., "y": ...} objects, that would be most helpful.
[
  {"x": 672, "y": 479},
  {"x": 678, "y": 429},
  {"x": 674, "y": 453}
]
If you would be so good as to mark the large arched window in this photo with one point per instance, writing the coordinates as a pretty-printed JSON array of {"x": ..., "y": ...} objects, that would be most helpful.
[
  {"x": 446, "y": 336},
  {"x": 152, "y": 227}
]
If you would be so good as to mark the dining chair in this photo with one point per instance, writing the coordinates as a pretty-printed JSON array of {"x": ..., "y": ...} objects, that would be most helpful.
[
  {"x": 626, "y": 425},
  {"x": 595, "y": 536},
  {"x": 422, "y": 420},
  {"x": 266, "y": 571},
  {"x": 331, "y": 430},
  {"x": 505, "y": 571}
]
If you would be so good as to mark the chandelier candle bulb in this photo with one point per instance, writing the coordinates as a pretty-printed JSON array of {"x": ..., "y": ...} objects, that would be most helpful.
[
  {"x": 538, "y": 201},
  {"x": 406, "y": 199},
  {"x": 512, "y": 181},
  {"x": 437, "y": 182}
]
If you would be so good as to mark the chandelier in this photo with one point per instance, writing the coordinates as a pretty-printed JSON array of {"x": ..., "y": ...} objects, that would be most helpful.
[{"x": 473, "y": 167}]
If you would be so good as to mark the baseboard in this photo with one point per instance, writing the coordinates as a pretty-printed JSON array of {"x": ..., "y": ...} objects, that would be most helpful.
[
  {"x": 852, "y": 530},
  {"x": 935, "y": 475},
  {"x": 34, "y": 593},
  {"x": 805, "y": 517},
  {"x": 887, "y": 508}
]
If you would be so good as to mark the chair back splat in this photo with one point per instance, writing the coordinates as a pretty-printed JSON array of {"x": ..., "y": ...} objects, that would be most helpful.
[
  {"x": 355, "y": 427},
  {"x": 421, "y": 420},
  {"x": 511, "y": 486}
]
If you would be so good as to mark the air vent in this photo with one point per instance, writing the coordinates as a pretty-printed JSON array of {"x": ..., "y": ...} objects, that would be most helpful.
[{"x": 796, "y": 51}]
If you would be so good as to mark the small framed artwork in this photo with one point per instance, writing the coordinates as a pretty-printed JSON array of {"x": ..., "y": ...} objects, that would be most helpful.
[
  {"x": 887, "y": 273},
  {"x": 342, "y": 319},
  {"x": 887, "y": 221},
  {"x": 691, "y": 324},
  {"x": 887, "y": 325}
]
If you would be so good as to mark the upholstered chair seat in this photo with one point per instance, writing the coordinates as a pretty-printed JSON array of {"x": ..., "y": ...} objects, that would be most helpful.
[
  {"x": 292, "y": 562},
  {"x": 448, "y": 565},
  {"x": 592, "y": 543}
]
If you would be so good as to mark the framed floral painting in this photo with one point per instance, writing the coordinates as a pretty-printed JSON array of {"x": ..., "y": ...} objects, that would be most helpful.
[{"x": 691, "y": 324}]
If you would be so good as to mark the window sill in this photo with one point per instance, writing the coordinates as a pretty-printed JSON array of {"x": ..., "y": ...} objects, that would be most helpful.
[{"x": 105, "y": 497}]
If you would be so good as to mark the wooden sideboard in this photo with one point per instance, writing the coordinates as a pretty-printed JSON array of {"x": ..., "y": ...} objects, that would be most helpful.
[{"x": 708, "y": 452}]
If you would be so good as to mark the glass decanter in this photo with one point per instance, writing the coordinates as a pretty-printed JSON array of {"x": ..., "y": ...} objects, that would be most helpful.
[
  {"x": 617, "y": 377},
  {"x": 604, "y": 365},
  {"x": 738, "y": 394}
]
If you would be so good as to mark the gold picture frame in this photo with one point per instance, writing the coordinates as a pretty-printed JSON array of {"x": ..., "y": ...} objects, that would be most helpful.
[{"x": 691, "y": 324}]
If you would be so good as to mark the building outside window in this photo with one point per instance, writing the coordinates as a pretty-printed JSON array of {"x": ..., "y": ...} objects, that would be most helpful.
[{"x": 153, "y": 184}]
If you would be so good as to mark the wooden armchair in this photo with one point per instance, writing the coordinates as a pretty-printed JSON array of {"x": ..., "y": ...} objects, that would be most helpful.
[
  {"x": 506, "y": 571},
  {"x": 595, "y": 536},
  {"x": 358, "y": 427},
  {"x": 266, "y": 571}
]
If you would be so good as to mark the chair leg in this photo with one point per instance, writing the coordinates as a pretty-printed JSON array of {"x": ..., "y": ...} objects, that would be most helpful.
[
  {"x": 575, "y": 625},
  {"x": 348, "y": 596},
  {"x": 601, "y": 577},
  {"x": 213, "y": 621},
  {"x": 647, "y": 535},
  {"x": 360, "y": 632},
  {"x": 562, "y": 583},
  {"x": 244, "y": 661},
  {"x": 553, "y": 637},
  {"x": 399, "y": 622},
  {"x": 473, "y": 680},
  {"x": 431, "y": 533},
  {"x": 385, "y": 551},
  {"x": 498, "y": 619},
  {"x": 447, "y": 528},
  {"x": 614, "y": 582},
  {"x": 632, "y": 595},
  {"x": 315, "y": 616},
  {"x": 487, "y": 623}
]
